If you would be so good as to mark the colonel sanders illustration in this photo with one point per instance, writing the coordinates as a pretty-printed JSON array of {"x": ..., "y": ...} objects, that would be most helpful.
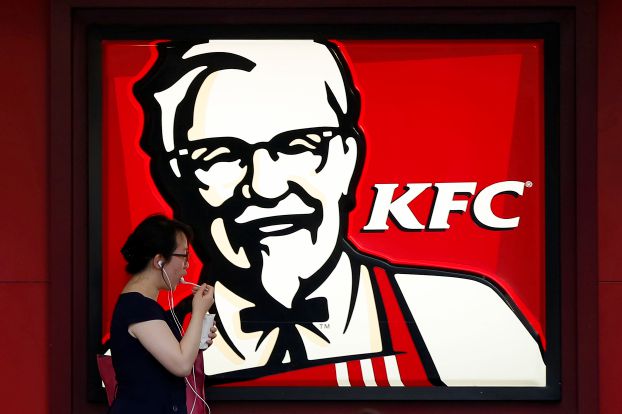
[{"x": 256, "y": 145}]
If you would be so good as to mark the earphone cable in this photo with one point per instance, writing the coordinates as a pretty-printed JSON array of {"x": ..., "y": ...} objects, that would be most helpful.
[{"x": 171, "y": 304}]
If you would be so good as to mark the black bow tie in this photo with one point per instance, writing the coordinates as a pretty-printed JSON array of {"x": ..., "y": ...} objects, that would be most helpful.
[{"x": 269, "y": 315}]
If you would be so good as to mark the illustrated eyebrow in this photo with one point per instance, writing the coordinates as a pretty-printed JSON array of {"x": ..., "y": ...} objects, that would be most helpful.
[
  {"x": 314, "y": 137},
  {"x": 197, "y": 153},
  {"x": 300, "y": 141},
  {"x": 216, "y": 152}
]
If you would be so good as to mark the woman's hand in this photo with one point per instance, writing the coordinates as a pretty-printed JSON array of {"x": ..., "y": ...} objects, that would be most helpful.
[
  {"x": 212, "y": 334},
  {"x": 203, "y": 299}
]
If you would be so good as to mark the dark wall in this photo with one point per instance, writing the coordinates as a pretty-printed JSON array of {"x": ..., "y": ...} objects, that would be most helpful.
[
  {"x": 23, "y": 207},
  {"x": 610, "y": 202},
  {"x": 24, "y": 134}
]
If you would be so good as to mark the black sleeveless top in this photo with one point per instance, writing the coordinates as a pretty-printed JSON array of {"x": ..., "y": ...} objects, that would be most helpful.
[{"x": 144, "y": 385}]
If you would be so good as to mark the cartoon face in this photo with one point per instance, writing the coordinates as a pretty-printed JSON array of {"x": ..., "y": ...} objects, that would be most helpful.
[{"x": 268, "y": 153}]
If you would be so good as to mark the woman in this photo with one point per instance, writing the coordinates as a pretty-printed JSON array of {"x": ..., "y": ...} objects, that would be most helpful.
[{"x": 149, "y": 354}]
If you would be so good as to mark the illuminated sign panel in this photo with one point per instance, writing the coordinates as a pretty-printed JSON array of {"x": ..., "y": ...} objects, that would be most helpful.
[{"x": 372, "y": 213}]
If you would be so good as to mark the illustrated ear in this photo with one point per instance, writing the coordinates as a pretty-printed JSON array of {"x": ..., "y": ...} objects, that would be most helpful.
[{"x": 349, "y": 164}]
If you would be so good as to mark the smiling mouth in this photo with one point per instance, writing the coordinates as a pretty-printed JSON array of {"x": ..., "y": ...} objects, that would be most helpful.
[
  {"x": 275, "y": 227},
  {"x": 281, "y": 225},
  {"x": 287, "y": 216}
]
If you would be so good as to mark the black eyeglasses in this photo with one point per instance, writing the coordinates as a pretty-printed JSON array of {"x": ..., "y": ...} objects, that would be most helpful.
[
  {"x": 186, "y": 255},
  {"x": 202, "y": 154}
]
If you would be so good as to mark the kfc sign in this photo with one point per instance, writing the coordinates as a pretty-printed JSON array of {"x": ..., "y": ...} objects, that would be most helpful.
[
  {"x": 342, "y": 196},
  {"x": 444, "y": 204}
]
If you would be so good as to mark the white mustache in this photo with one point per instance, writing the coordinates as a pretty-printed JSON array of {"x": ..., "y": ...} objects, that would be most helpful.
[{"x": 290, "y": 205}]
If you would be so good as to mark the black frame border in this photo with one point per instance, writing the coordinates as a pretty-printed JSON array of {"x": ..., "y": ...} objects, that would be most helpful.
[{"x": 549, "y": 32}]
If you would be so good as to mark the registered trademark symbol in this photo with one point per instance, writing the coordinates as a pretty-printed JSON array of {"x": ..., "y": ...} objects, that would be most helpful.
[{"x": 528, "y": 184}]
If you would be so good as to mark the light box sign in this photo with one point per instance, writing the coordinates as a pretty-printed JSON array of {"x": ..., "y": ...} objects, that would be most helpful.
[{"x": 371, "y": 212}]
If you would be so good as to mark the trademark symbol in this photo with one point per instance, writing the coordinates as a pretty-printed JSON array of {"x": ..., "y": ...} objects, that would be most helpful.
[
  {"x": 323, "y": 325},
  {"x": 528, "y": 184}
]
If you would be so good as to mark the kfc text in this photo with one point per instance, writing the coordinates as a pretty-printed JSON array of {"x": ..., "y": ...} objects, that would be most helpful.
[{"x": 444, "y": 203}]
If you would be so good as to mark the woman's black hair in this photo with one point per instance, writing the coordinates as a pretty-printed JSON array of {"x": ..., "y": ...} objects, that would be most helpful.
[{"x": 156, "y": 234}]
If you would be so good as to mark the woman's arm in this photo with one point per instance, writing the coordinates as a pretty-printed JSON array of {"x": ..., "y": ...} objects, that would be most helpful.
[{"x": 156, "y": 336}]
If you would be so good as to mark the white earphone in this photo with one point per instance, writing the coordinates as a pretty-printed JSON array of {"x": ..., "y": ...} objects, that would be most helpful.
[{"x": 171, "y": 306}]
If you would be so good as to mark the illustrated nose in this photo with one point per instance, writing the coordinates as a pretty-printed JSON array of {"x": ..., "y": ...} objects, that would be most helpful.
[{"x": 269, "y": 178}]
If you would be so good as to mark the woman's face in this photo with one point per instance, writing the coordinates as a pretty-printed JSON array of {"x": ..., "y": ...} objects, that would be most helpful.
[{"x": 178, "y": 263}]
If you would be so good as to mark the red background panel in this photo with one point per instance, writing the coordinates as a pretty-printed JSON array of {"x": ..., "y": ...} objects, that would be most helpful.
[{"x": 459, "y": 111}]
